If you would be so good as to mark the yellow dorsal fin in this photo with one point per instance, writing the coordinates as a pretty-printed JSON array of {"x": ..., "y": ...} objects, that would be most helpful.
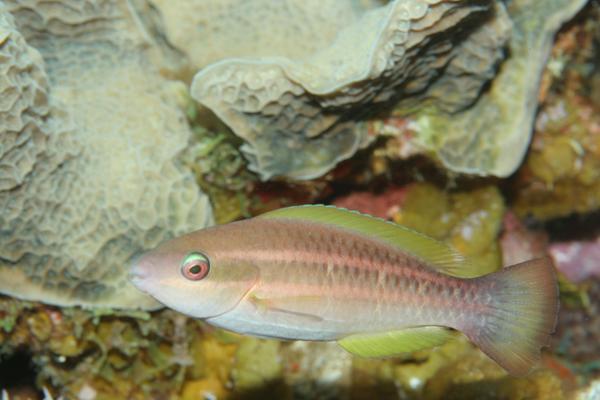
[
  {"x": 387, "y": 344},
  {"x": 434, "y": 253}
]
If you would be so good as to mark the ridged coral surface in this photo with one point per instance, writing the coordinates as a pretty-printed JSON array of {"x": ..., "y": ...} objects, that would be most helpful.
[
  {"x": 299, "y": 115},
  {"x": 93, "y": 139},
  {"x": 97, "y": 162},
  {"x": 23, "y": 106},
  {"x": 492, "y": 136}
]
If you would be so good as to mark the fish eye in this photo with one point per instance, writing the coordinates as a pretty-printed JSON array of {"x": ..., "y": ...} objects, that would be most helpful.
[{"x": 195, "y": 266}]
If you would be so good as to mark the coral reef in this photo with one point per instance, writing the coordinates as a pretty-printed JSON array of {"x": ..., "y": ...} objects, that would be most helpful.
[
  {"x": 382, "y": 205},
  {"x": 561, "y": 173},
  {"x": 220, "y": 169},
  {"x": 492, "y": 136},
  {"x": 210, "y": 31},
  {"x": 104, "y": 153},
  {"x": 89, "y": 144},
  {"x": 578, "y": 260},
  {"x": 281, "y": 89},
  {"x": 298, "y": 110},
  {"x": 97, "y": 355},
  {"x": 452, "y": 371},
  {"x": 578, "y": 335},
  {"x": 469, "y": 379},
  {"x": 469, "y": 220}
]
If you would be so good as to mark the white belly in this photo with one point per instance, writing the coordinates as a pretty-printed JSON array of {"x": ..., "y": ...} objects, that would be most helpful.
[{"x": 248, "y": 319}]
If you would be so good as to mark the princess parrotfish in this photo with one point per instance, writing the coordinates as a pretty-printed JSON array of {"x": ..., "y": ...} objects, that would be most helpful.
[{"x": 377, "y": 288}]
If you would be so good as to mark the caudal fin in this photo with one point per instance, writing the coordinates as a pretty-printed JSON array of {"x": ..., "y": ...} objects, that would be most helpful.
[{"x": 521, "y": 317}]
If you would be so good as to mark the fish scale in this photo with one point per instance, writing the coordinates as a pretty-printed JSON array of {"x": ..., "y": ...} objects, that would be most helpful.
[
  {"x": 377, "y": 288},
  {"x": 299, "y": 268}
]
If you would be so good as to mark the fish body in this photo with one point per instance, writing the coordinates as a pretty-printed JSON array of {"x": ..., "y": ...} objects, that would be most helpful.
[
  {"x": 321, "y": 283},
  {"x": 321, "y": 273}
]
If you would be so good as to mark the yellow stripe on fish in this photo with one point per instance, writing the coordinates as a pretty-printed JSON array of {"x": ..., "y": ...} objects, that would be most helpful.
[{"x": 378, "y": 288}]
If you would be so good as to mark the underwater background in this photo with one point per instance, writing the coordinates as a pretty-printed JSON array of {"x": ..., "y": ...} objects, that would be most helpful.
[{"x": 127, "y": 122}]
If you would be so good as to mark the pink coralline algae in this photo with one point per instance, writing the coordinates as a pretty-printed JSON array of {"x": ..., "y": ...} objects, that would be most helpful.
[
  {"x": 519, "y": 243},
  {"x": 578, "y": 260}
]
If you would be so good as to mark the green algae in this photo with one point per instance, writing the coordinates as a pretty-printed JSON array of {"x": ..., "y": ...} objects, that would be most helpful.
[
  {"x": 9, "y": 312},
  {"x": 220, "y": 169}
]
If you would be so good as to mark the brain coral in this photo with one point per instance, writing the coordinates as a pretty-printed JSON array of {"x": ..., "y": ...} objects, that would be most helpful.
[
  {"x": 90, "y": 133},
  {"x": 298, "y": 110}
]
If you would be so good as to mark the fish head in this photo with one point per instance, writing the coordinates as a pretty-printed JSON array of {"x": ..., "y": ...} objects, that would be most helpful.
[{"x": 192, "y": 274}]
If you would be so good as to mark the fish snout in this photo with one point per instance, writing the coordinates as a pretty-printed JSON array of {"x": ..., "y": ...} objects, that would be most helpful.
[
  {"x": 136, "y": 278},
  {"x": 137, "y": 270}
]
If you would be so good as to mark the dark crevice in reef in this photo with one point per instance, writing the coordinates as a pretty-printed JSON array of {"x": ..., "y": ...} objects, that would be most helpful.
[
  {"x": 573, "y": 227},
  {"x": 17, "y": 371}
]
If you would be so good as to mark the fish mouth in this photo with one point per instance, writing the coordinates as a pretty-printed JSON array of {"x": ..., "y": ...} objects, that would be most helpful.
[
  {"x": 137, "y": 280},
  {"x": 135, "y": 276}
]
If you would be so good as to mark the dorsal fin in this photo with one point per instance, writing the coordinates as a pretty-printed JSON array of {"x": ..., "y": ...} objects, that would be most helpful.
[{"x": 434, "y": 253}]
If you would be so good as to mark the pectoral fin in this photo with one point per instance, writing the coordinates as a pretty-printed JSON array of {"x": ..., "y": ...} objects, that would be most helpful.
[
  {"x": 386, "y": 344},
  {"x": 299, "y": 306}
]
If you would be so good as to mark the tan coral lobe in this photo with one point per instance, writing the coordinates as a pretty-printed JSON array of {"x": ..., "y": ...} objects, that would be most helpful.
[
  {"x": 88, "y": 151},
  {"x": 410, "y": 50},
  {"x": 492, "y": 136},
  {"x": 295, "y": 79}
]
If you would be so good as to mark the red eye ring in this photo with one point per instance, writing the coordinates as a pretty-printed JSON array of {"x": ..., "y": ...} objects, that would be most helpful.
[{"x": 195, "y": 267}]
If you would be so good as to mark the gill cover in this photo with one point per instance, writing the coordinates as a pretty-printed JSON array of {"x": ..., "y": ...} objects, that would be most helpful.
[
  {"x": 169, "y": 274},
  {"x": 223, "y": 288}
]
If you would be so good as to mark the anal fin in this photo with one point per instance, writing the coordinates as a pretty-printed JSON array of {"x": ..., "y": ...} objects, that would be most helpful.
[{"x": 387, "y": 344}]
